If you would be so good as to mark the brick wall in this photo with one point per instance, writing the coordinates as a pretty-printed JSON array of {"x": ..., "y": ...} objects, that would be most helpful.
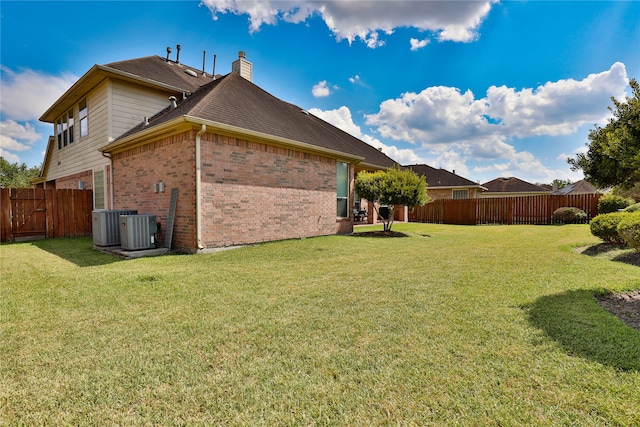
[
  {"x": 251, "y": 192},
  {"x": 169, "y": 160},
  {"x": 71, "y": 182}
]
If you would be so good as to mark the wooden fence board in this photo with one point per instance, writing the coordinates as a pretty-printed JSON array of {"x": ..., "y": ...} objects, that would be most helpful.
[{"x": 535, "y": 210}]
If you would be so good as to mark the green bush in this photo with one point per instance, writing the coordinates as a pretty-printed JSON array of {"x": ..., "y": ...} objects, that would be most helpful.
[
  {"x": 568, "y": 215},
  {"x": 612, "y": 203},
  {"x": 605, "y": 227},
  {"x": 629, "y": 230},
  {"x": 633, "y": 208}
]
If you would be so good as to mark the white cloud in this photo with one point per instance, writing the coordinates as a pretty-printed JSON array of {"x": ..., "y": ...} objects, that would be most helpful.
[
  {"x": 365, "y": 20},
  {"x": 342, "y": 119},
  {"x": 321, "y": 90},
  {"x": 9, "y": 157},
  {"x": 16, "y": 137},
  {"x": 443, "y": 117},
  {"x": 355, "y": 79},
  {"x": 27, "y": 94},
  {"x": 455, "y": 125},
  {"x": 418, "y": 44}
]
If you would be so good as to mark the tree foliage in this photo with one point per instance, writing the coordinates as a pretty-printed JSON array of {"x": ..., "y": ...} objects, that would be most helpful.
[
  {"x": 613, "y": 157},
  {"x": 393, "y": 187},
  {"x": 13, "y": 175}
]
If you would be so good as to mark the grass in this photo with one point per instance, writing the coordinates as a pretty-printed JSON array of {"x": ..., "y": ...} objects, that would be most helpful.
[{"x": 471, "y": 326}]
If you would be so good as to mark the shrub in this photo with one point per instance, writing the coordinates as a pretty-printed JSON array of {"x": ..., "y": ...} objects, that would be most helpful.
[
  {"x": 605, "y": 227},
  {"x": 568, "y": 215},
  {"x": 629, "y": 230},
  {"x": 633, "y": 208},
  {"x": 612, "y": 203}
]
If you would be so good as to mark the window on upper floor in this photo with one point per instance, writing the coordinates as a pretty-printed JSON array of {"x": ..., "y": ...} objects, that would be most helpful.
[
  {"x": 70, "y": 126},
  {"x": 64, "y": 130},
  {"x": 460, "y": 194},
  {"x": 83, "y": 116},
  {"x": 342, "y": 189}
]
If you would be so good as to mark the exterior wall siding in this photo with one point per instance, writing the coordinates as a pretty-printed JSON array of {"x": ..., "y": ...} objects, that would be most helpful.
[
  {"x": 131, "y": 103},
  {"x": 83, "y": 155}
]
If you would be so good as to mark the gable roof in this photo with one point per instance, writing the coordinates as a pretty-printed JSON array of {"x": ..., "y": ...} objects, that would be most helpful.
[
  {"x": 150, "y": 71},
  {"x": 579, "y": 187},
  {"x": 233, "y": 103},
  {"x": 442, "y": 178},
  {"x": 512, "y": 185},
  {"x": 164, "y": 72}
]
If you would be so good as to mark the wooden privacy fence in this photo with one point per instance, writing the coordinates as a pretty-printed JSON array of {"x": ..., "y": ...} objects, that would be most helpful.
[
  {"x": 536, "y": 210},
  {"x": 39, "y": 213}
]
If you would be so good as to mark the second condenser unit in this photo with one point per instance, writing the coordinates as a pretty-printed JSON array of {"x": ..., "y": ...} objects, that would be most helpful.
[{"x": 137, "y": 232}]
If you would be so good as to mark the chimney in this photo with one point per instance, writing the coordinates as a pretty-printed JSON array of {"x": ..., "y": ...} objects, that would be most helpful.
[
  {"x": 242, "y": 66},
  {"x": 178, "y": 54}
]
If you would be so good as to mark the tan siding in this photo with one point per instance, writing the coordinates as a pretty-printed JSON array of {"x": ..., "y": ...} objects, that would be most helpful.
[
  {"x": 130, "y": 104},
  {"x": 83, "y": 154}
]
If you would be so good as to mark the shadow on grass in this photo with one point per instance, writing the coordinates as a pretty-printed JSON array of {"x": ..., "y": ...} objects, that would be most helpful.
[
  {"x": 76, "y": 250},
  {"x": 380, "y": 233},
  {"x": 576, "y": 321},
  {"x": 613, "y": 252}
]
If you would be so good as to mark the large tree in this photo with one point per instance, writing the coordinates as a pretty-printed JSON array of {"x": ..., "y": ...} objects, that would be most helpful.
[
  {"x": 391, "y": 188},
  {"x": 613, "y": 157},
  {"x": 14, "y": 175}
]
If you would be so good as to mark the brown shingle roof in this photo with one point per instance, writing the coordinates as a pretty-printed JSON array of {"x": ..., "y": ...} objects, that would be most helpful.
[
  {"x": 158, "y": 69},
  {"x": 441, "y": 178},
  {"x": 511, "y": 185},
  {"x": 235, "y": 101}
]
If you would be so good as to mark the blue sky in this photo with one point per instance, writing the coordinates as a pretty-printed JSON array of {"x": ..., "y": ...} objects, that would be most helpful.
[{"x": 487, "y": 89}]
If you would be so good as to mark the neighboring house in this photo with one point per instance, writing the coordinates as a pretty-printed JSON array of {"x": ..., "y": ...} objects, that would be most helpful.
[
  {"x": 579, "y": 187},
  {"x": 512, "y": 187},
  {"x": 248, "y": 167},
  {"x": 442, "y": 184}
]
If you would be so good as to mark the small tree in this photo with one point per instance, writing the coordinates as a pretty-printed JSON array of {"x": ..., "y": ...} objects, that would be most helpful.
[
  {"x": 14, "y": 175},
  {"x": 613, "y": 157},
  {"x": 391, "y": 188}
]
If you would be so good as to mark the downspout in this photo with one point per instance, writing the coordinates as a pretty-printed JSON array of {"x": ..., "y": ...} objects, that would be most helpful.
[
  {"x": 199, "y": 189},
  {"x": 110, "y": 178}
]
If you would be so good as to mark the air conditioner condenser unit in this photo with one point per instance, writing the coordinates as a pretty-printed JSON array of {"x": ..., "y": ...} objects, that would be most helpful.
[{"x": 137, "y": 232}]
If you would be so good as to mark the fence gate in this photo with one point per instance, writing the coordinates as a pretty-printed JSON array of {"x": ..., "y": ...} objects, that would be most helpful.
[{"x": 28, "y": 213}]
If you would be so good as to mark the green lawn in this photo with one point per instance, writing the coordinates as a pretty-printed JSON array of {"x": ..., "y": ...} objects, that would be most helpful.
[{"x": 454, "y": 325}]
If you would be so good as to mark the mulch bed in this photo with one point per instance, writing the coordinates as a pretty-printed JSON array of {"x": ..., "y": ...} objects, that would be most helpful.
[{"x": 625, "y": 306}]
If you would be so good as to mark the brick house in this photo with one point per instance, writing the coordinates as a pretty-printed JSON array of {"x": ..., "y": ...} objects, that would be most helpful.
[
  {"x": 248, "y": 166},
  {"x": 442, "y": 184}
]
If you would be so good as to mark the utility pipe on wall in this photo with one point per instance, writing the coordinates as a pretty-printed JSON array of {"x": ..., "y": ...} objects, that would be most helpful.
[{"x": 198, "y": 189}]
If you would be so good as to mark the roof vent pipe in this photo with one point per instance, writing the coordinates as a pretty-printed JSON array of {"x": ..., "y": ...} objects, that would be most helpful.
[
  {"x": 168, "y": 53},
  {"x": 146, "y": 121},
  {"x": 204, "y": 60},
  {"x": 178, "y": 54},
  {"x": 173, "y": 100},
  {"x": 214, "y": 66}
]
